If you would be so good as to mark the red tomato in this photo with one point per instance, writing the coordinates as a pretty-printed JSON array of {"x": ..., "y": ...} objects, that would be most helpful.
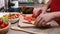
[
  {"x": 29, "y": 20},
  {"x": 6, "y": 24},
  {"x": 1, "y": 22},
  {"x": 2, "y": 26},
  {"x": 26, "y": 18},
  {"x": 31, "y": 10}
]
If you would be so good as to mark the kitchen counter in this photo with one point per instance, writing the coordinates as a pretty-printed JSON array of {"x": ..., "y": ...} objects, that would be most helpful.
[{"x": 54, "y": 30}]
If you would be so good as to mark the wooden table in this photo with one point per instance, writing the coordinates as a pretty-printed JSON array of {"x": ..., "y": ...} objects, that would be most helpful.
[{"x": 54, "y": 30}]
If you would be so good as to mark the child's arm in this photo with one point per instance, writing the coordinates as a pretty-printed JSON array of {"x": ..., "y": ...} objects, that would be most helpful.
[
  {"x": 41, "y": 9},
  {"x": 56, "y": 14}
]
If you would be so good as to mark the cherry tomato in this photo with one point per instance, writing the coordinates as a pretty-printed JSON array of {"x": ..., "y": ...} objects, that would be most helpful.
[
  {"x": 6, "y": 24},
  {"x": 1, "y": 22},
  {"x": 2, "y": 26}
]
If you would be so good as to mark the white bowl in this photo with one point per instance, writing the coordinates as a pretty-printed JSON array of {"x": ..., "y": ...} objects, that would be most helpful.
[
  {"x": 14, "y": 20},
  {"x": 5, "y": 30}
]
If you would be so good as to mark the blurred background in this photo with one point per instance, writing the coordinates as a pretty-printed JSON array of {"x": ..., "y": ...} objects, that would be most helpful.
[{"x": 24, "y": 6}]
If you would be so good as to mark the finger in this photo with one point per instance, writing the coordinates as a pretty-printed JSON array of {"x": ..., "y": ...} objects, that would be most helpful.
[
  {"x": 37, "y": 20},
  {"x": 45, "y": 23},
  {"x": 34, "y": 11},
  {"x": 41, "y": 22},
  {"x": 39, "y": 12}
]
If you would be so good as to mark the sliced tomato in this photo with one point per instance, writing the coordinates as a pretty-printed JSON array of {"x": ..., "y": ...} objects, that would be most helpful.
[
  {"x": 13, "y": 17},
  {"x": 26, "y": 18},
  {"x": 24, "y": 15},
  {"x": 17, "y": 15},
  {"x": 29, "y": 20}
]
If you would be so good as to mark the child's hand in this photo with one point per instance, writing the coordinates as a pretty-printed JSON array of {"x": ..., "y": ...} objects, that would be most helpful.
[
  {"x": 43, "y": 19},
  {"x": 39, "y": 10},
  {"x": 36, "y": 10}
]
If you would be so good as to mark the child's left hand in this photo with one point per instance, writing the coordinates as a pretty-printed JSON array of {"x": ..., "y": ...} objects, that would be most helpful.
[{"x": 43, "y": 19}]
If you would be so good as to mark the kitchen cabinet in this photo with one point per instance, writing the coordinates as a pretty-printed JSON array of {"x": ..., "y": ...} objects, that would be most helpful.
[{"x": 2, "y": 3}]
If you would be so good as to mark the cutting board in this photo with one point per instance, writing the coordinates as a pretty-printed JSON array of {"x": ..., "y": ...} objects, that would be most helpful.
[{"x": 24, "y": 25}]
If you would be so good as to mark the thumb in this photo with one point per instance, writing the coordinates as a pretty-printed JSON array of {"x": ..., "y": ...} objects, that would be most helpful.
[{"x": 43, "y": 12}]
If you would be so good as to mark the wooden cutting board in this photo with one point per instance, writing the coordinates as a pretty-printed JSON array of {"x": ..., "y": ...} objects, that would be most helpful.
[{"x": 24, "y": 25}]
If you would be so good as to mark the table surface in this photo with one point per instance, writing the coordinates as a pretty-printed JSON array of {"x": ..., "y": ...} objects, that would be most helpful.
[{"x": 54, "y": 30}]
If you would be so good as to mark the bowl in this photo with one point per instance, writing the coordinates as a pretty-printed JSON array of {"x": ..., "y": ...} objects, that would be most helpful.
[
  {"x": 5, "y": 30},
  {"x": 13, "y": 20}
]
